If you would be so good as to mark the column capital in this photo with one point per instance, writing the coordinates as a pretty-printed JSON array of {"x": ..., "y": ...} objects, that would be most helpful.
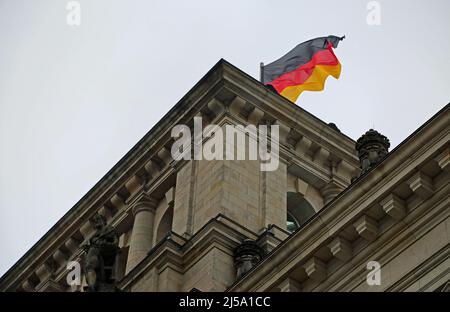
[
  {"x": 143, "y": 202},
  {"x": 330, "y": 191}
]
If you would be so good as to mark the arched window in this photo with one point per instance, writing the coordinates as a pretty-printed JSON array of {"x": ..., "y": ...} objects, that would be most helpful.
[
  {"x": 291, "y": 223},
  {"x": 165, "y": 225},
  {"x": 299, "y": 210}
]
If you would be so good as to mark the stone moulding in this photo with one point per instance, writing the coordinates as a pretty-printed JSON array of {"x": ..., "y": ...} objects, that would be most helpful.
[{"x": 417, "y": 151}]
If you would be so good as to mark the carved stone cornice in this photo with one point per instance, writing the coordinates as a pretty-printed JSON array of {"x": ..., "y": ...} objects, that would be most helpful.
[
  {"x": 222, "y": 83},
  {"x": 351, "y": 211},
  {"x": 181, "y": 254}
]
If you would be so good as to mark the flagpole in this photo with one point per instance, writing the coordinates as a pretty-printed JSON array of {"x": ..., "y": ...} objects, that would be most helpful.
[{"x": 261, "y": 72}]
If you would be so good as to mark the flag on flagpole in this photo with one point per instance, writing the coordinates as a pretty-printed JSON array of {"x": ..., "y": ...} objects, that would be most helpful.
[{"x": 306, "y": 67}]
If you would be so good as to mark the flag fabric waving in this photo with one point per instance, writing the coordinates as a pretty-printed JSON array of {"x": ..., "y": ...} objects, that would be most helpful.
[{"x": 306, "y": 67}]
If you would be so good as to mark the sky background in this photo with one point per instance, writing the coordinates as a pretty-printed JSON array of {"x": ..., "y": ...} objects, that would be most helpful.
[{"x": 75, "y": 99}]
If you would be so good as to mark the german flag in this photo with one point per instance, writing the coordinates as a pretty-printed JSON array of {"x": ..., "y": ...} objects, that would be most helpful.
[{"x": 306, "y": 67}]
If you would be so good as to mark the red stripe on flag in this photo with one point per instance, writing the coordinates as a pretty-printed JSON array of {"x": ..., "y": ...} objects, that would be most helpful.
[{"x": 299, "y": 75}]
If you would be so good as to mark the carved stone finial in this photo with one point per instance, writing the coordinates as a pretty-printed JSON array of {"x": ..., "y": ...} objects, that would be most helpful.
[
  {"x": 372, "y": 147},
  {"x": 246, "y": 256}
]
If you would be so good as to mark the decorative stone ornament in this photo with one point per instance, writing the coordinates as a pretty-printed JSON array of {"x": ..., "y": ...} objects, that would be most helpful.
[
  {"x": 246, "y": 256},
  {"x": 101, "y": 257},
  {"x": 372, "y": 147}
]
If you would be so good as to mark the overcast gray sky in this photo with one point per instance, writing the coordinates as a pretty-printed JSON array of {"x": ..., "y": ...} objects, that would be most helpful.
[{"x": 74, "y": 100}]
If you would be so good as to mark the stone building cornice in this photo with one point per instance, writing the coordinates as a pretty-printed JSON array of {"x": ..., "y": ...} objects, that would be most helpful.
[
  {"x": 367, "y": 206},
  {"x": 223, "y": 88},
  {"x": 181, "y": 254}
]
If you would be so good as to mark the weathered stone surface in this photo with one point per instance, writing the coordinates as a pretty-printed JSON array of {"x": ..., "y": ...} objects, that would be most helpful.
[{"x": 199, "y": 224}]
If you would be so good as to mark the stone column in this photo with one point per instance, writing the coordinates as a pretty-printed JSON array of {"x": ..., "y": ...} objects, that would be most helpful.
[{"x": 143, "y": 209}]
